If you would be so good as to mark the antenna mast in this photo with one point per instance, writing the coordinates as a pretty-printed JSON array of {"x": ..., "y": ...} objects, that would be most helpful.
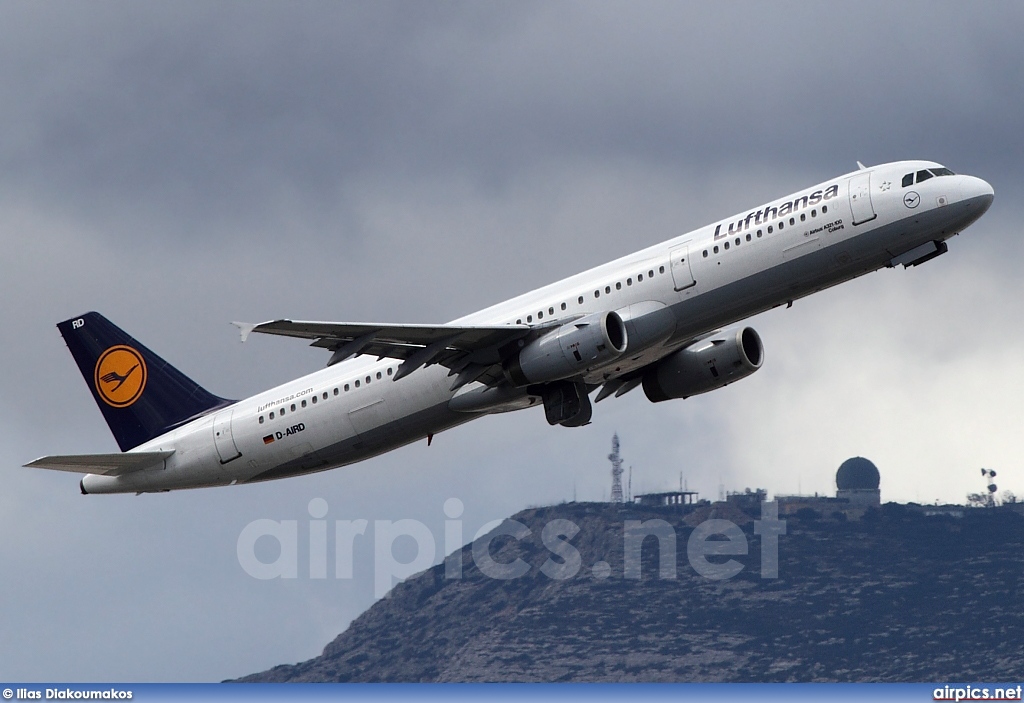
[{"x": 616, "y": 470}]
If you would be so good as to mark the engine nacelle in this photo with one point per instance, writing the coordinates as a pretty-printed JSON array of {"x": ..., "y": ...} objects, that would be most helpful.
[
  {"x": 705, "y": 365},
  {"x": 648, "y": 323},
  {"x": 569, "y": 350}
]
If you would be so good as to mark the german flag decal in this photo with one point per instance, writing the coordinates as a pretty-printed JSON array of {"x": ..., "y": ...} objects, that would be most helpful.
[{"x": 268, "y": 439}]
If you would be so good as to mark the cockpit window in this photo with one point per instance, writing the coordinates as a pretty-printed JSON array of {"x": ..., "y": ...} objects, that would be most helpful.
[{"x": 925, "y": 174}]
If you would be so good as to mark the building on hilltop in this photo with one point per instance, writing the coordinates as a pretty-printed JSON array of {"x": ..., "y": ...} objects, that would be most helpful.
[
  {"x": 669, "y": 498},
  {"x": 749, "y": 501},
  {"x": 857, "y": 482}
]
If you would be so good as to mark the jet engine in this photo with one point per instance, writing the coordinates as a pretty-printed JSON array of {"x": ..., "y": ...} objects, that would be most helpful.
[
  {"x": 568, "y": 350},
  {"x": 705, "y": 365}
]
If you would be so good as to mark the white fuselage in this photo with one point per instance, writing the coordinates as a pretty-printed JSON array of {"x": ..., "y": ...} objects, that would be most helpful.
[{"x": 708, "y": 278}]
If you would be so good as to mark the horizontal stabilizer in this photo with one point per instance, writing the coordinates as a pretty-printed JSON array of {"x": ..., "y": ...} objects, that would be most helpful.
[{"x": 103, "y": 464}]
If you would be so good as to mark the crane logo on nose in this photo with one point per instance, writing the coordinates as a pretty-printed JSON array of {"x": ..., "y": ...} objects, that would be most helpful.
[
  {"x": 120, "y": 376},
  {"x": 911, "y": 200}
]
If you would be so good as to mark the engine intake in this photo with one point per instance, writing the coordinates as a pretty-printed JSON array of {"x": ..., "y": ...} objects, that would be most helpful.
[
  {"x": 705, "y": 365},
  {"x": 569, "y": 350}
]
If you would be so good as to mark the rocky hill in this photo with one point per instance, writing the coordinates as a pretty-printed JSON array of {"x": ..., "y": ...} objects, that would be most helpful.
[{"x": 897, "y": 596}]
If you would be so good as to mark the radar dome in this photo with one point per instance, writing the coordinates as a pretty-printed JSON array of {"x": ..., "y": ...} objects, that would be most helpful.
[{"x": 857, "y": 474}]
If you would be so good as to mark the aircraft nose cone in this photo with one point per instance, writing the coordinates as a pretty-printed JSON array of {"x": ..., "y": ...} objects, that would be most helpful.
[{"x": 976, "y": 189}]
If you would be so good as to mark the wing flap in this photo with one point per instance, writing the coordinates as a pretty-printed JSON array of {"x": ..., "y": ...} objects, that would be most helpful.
[{"x": 103, "y": 464}]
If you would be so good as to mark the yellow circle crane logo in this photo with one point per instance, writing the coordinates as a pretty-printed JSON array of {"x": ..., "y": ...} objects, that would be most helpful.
[{"x": 120, "y": 376}]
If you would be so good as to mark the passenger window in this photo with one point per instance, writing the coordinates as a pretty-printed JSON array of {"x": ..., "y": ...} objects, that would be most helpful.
[
  {"x": 629, "y": 281},
  {"x": 378, "y": 375},
  {"x": 908, "y": 180},
  {"x": 726, "y": 246},
  {"x": 792, "y": 221},
  {"x": 540, "y": 315},
  {"x": 748, "y": 237},
  {"x": 716, "y": 248},
  {"x": 782, "y": 226},
  {"x": 639, "y": 277},
  {"x": 261, "y": 419},
  {"x": 650, "y": 274},
  {"x": 293, "y": 407},
  {"x": 759, "y": 232},
  {"x": 824, "y": 209},
  {"x": 336, "y": 390},
  {"x": 346, "y": 388},
  {"x": 581, "y": 300},
  {"x": 357, "y": 383},
  {"x": 563, "y": 306},
  {"x": 661, "y": 269},
  {"x": 551, "y": 311},
  {"x": 705, "y": 253},
  {"x": 737, "y": 241},
  {"x": 769, "y": 230},
  {"x": 597, "y": 294},
  {"x": 335, "y": 393},
  {"x": 367, "y": 379},
  {"x": 303, "y": 403},
  {"x": 389, "y": 371},
  {"x": 271, "y": 416},
  {"x": 529, "y": 318},
  {"x": 282, "y": 412},
  {"x": 618, "y": 285},
  {"x": 923, "y": 176},
  {"x": 803, "y": 218},
  {"x": 607, "y": 289},
  {"x": 814, "y": 213},
  {"x": 314, "y": 400}
]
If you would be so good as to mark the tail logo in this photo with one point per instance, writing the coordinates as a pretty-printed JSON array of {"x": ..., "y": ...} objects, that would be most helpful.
[{"x": 120, "y": 376}]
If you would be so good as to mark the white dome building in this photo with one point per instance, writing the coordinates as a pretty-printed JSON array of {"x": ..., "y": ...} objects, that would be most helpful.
[{"x": 857, "y": 481}]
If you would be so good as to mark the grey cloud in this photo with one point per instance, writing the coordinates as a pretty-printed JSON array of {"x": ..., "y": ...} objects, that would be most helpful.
[{"x": 195, "y": 109}]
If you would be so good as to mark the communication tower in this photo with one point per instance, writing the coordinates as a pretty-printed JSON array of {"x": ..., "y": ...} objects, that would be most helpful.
[{"x": 616, "y": 470}]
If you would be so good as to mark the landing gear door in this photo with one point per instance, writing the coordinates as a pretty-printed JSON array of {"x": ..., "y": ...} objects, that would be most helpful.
[
  {"x": 222, "y": 437},
  {"x": 682, "y": 275},
  {"x": 860, "y": 199}
]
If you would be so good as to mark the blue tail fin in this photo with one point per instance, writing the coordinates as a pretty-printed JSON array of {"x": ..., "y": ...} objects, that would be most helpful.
[{"x": 140, "y": 395}]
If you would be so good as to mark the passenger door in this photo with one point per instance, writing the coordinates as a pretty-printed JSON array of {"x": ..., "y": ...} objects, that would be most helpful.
[
  {"x": 860, "y": 198},
  {"x": 682, "y": 274},
  {"x": 370, "y": 420},
  {"x": 227, "y": 450}
]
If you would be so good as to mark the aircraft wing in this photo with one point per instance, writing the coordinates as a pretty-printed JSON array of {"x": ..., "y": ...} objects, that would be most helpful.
[
  {"x": 104, "y": 464},
  {"x": 471, "y": 352}
]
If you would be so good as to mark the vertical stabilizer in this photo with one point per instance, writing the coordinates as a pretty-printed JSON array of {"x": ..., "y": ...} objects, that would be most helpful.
[{"x": 140, "y": 395}]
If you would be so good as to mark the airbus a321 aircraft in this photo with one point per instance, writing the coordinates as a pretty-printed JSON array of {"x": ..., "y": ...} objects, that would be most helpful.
[{"x": 658, "y": 319}]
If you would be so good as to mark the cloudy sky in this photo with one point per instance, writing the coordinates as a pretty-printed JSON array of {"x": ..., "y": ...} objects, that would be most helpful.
[{"x": 179, "y": 166}]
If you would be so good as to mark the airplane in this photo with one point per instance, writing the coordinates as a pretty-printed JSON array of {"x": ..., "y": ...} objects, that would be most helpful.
[{"x": 660, "y": 319}]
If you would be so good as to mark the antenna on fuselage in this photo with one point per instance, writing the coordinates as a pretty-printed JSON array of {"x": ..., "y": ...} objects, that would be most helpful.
[{"x": 861, "y": 166}]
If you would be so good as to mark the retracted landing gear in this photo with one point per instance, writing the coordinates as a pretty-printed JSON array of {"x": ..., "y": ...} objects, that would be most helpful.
[{"x": 566, "y": 404}]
